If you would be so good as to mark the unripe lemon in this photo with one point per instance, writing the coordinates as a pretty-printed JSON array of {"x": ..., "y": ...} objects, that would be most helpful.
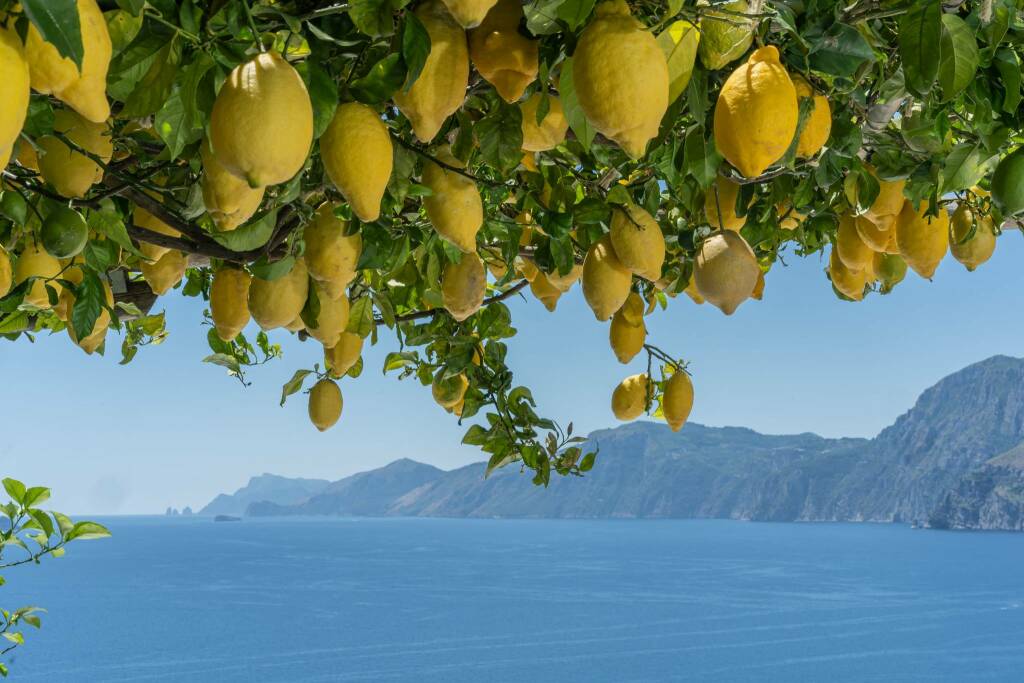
[
  {"x": 144, "y": 219},
  {"x": 166, "y": 272},
  {"x": 454, "y": 207},
  {"x": 550, "y": 132},
  {"x": 720, "y": 205},
  {"x": 875, "y": 235},
  {"x": 638, "y": 241},
  {"x": 228, "y": 199},
  {"x": 35, "y": 262},
  {"x": 276, "y": 303},
  {"x": 890, "y": 269},
  {"x": 229, "y": 301},
  {"x": 331, "y": 255},
  {"x": 325, "y": 404},
  {"x": 6, "y": 272},
  {"x": 261, "y": 126},
  {"x": 818, "y": 125},
  {"x": 677, "y": 400},
  {"x": 441, "y": 87},
  {"x": 469, "y": 13},
  {"x": 64, "y": 233},
  {"x": 850, "y": 282},
  {"x": 922, "y": 240},
  {"x": 332, "y": 319},
  {"x": 545, "y": 292},
  {"x": 448, "y": 391},
  {"x": 853, "y": 252},
  {"x": 564, "y": 283},
  {"x": 72, "y": 173},
  {"x": 1008, "y": 183},
  {"x": 726, "y": 270},
  {"x": 357, "y": 154},
  {"x": 756, "y": 114},
  {"x": 621, "y": 77},
  {"x": 14, "y": 91},
  {"x": 978, "y": 249},
  {"x": 341, "y": 357},
  {"x": 98, "y": 335},
  {"x": 724, "y": 36},
  {"x": 463, "y": 285},
  {"x": 629, "y": 400},
  {"x": 506, "y": 58},
  {"x": 84, "y": 91},
  {"x": 626, "y": 338},
  {"x": 606, "y": 281}
]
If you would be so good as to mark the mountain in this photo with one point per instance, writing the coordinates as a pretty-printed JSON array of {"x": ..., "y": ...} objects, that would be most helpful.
[
  {"x": 266, "y": 487},
  {"x": 956, "y": 459}
]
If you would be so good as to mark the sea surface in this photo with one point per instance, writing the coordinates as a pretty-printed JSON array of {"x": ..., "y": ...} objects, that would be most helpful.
[{"x": 187, "y": 599}]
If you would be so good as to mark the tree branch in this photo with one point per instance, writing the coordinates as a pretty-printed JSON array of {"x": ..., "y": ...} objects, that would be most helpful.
[{"x": 431, "y": 312}]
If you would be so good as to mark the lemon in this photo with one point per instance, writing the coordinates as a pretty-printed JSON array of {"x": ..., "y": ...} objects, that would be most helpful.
[
  {"x": 98, "y": 334},
  {"x": 629, "y": 400},
  {"x": 35, "y": 262},
  {"x": 276, "y": 303},
  {"x": 454, "y": 207},
  {"x": 463, "y": 285},
  {"x": 357, "y": 154},
  {"x": 166, "y": 272},
  {"x": 331, "y": 255},
  {"x": 14, "y": 91},
  {"x": 341, "y": 357},
  {"x": 726, "y": 270},
  {"x": 564, "y": 283},
  {"x": 633, "y": 309},
  {"x": 332, "y": 319},
  {"x": 72, "y": 173},
  {"x": 875, "y": 235},
  {"x": 448, "y": 391},
  {"x": 922, "y": 240},
  {"x": 441, "y": 87},
  {"x": 545, "y": 292},
  {"x": 626, "y": 338},
  {"x": 64, "y": 233},
  {"x": 505, "y": 58},
  {"x": 469, "y": 13},
  {"x": 756, "y": 113},
  {"x": 889, "y": 201},
  {"x": 789, "y": 217},
  {"x": 325, "y": 404},
  {"x": 228, "y": 199},
  {"x": 296, "y": 325},
  {"x": 853, "y": 252},
  {"x": 818, "y": 125},
  {"x": 606, "y": 281},
  {"x": 694, "y": 293},
  {"x": 1008, "y": 183},
  {"x": 6, "y": 272},
  {"x": 229, "y": 301},
  {"x": 978, "y": 249},
  {"x": 850, "y": 282},
  {"x": 66, "y": 299},
  {"x": 758, "y": 292},
  {"x": 720, "y": 205},
  {"x": 638, "y": 241},
  {"x": 142, "y": 218},
  {"x": 621, "y": 77},
  {"x": 84, "y": 91},
  {"x": 550, "y": 132},
  {"x": 526, "y": 268},
  {"x": 890, "y": 269},
  {"x": 724, "y": 36},
  {"x": 677, "y": 400},
  {"x": 261, "y": 126}
]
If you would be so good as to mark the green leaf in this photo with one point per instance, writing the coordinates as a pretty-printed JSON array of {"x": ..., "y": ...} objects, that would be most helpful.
[
  {"x": 965, "y": 165},
  {"x": 415, "y": 48},
  {"x": 272, "y": 270},
  {"x": 57, "y": 22},
  {"x": 700, "y": 157},
  {"x": 574, "y": 13},
  {"x": 360, "y": 317},
  {"x": 90, "y": 298},
  {"x": 679, "y": 43},
  {"x": 15, "y": 489},
  {"x": 374, "y": 17},
  {"x": 497, "y": 461},
  {"x": 180, "y": 120},
  {"x": 225, "y": 361},
  {"x": 1008, "y": 64},
  {"x": 500, "y": 136},
  {"x": 84, "y": 531},
  {"x": 293, "y": 385},
  {"x": 381, "y": 82},
  {"x": 149, "y": 94},
  {"x": 588, "y": 462},
  {"x": 323, "y": 93},
  {"x": 35, "y": 496},
  {"x": 16, "y": 321},
  {"x": 840, "y": 51},
  {"x": 542, "y": 16},
  {"x": 123, "y": 27},
  {"x": 920, "y": 36},
  {"x": 252, "y": 235},
  {"x": 13, "y": 206},
  {"x": 959, "y": 56},
  {"x": 399, "y": 359},
  {"x": 584, "y": 131}
]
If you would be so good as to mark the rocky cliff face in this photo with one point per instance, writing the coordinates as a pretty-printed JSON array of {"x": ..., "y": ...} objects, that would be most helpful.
[
  {"x": 266, "y": 487},
  {"x": 989, "y": 497}
]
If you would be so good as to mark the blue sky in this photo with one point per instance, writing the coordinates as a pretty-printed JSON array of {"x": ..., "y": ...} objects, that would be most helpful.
[{"x": 170, "y": 430}]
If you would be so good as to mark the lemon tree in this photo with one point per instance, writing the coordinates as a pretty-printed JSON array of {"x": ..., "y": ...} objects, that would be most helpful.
[{"x": 394, "y": 171}]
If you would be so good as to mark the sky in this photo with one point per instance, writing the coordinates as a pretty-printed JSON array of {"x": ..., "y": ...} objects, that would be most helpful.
[{"x": 169, "y": 430}]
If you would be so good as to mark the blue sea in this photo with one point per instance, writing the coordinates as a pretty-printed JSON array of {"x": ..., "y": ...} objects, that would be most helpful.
[{"x": 187, "y": 599}]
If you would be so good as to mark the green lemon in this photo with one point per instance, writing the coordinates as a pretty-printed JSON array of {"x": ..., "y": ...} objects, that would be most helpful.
[
  {"x": 64, "y": 233},
  {"x": 1008, "y": 183}
]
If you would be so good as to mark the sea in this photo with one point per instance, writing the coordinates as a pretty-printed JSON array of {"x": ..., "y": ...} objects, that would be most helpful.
[{"x": 291, "y": 600}]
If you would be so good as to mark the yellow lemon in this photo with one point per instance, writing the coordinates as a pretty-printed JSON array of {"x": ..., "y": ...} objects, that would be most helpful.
[
  {"x": 720, "y": 205},
  {"x": 505, "y": 58},
  {"x": 550, "y": 132},
  {"x": 756, "y": 114},
  {"x": 448, "y": 391},
  {"x": 229, "y": 301},
  {"x": 463, "y": 285},
  {"x": 875, "y": 235},
  {"x": 638, "y": 241},
  {"x": 922, "y": 240},
  {"x": 341, "y": 357},
  {"x": 469, "y": 13},
  {"x": 325, "y": 404},
  {"x": 726, "y": 271},
  {"x": 276, "y": 303},
  {"x": 626, "y": 338},
  {"x": 977, "y": 249},
  {"x": 564, "y": 283},
  {"x": 889, "y": 201},
  {"x": 606, "y": 281},
  {"x": 332, "y": 319},
  {"x": 98, "y": 334},
  {"x": 6, "y": 272},
  {"x": 454, "y": 207},
  {"x": 818, "y": 125},
  {"x": 545, "y": 292},
  {"x": 144, "y": 219},
  {"x": 357, "y": 154},
  {"x": 166, "y": 272},
  {"x": 789, "y": 217},
  {"x": 331, "y": 255},
  {"x": 853, "y": 251},
  {"x": 72, "y": 173},
  {"x": 677, "y": 400},
  {"x": 35, "y": 262},
  {"x": 228, "y": 199},
  {"x": 14, "y": 91},
  {"x": 850, "y": 282},
  {"x": 629, "y": 400},
  {"x": 621, "y": 77}
]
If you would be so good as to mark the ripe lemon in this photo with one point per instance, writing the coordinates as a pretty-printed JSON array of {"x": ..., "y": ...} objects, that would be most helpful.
[
  {"x": 357, "y": 154},
  {"x": 228, "y": 199},
  {"x": 724, "y": 36},
  {"x": 332, "y": 318},
  {"x": 469, "y": 13},
  {"x": 638, "y": 241},
  {"x": 626, "y": 338},
  {"x": 789, "y": 217},
  {"x": 818, "y": 125},
  {"x": 922, "y": 240},
  {"x": 621, "y": 77},
  {"x": 545, "y": 292},
  {"x": 84, "y": 91},
  {"x": 448, "y": 391},
  {"x": 454, "y": 207},
  {"x": 756, "y": 114},
  {"x": 98, "y": 334},
  {"x": 889, "y": 201},
  {"x": 677, "y": 401},
  {"x": 633, "y": 309},
  {"x": 166, "y": 272},
  {"x": 35, "y": 262},
  {"x": 6, "y": 272},
  {"x": 261, "y": 126},
  {"x": 441, "y": 87},
  {"x": 606, "y": 281},
  {"x": 550, "y": 132},
  {"x": 1008, "y": 183},
  {"x": 758, "y": 293},
  {"x": 978, "y": 248},
  {"x": 726, "y": 271},
  {"x": 850, "y": 282},
  {"x": 64, "y": 233},
  {"x": 720, "y": 205},
  {"x": 276, "y": 303},
  {"x": 14, "y": 91},
  {"x": 72, "y": 173},
  {"x": 629, "y": 400},
  {"x": 875, "y": 235},
  {"x": 325, "y": 404},
  {"x": 331, "y": 255},
  {"x": 463, "y": 285},
  {"x": 564, "y": 283},
  {"x": 341, "y": 357},
  {"x": 144, "y": 219},
  {"x": 505, "y": 58},
  {"x": 229, "y": 301},
  {"x": 853, "y": 251}
]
